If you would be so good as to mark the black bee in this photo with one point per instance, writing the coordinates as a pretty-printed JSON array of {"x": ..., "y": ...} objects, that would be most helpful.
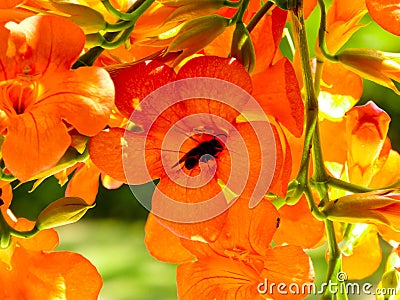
[{"x": 201, "y": 153}]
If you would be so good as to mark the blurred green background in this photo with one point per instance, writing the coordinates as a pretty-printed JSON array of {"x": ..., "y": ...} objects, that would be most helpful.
[{"x": 111, "y": 234}]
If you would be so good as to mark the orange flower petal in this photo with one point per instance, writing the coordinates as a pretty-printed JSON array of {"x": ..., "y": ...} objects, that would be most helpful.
[
  {"x": 266, "y": 37},
  {"x": 45, "y": 240},
  {"x": 110, "y": 183},
  {"x": 134, "y": 82},
  {"x": 45, "y": 52},
  {"x": 180, "y": 219},
  {"x": 391, "y": 213},
  {"x": 309, "y": 6},
  {"x": 218, "y": 46},
  {"x": 50, "y": 275},
  {"x": 388, "y": 234},
  {"x": 284, "y": 162},
  {"x": 366, "y": 130},
  {"x": 217, "y": 67},
  {"x": 84, "y": 183},
  {"x": 338, "y": 151},
  {"x": 10, "y": 3},
  {"x": 366, "y": 257},
  {"x": 256, "y": 229},
  {"x": 123, "y": 156},
  {"x": 163, "y": 244},
  {"x": 5, "y": 196},
  {"x": 217, "y": 278},
  {"x": 288, "y": 264},
  {"x": 87, "y": 91},
  {"x": 258, "y": 149},
  {"x": 105, "y": 151},
  {"x": 342, "y": 19},
  {"x": 389, "y": 172},
  {"x": 39, "y": 138},
  {"x": 264, "y": 223},
  {"x": 341, "y": 89},
  {"x": 385, "y": 13},
  {"x": 340, "y": 81},
  {"x": 279, "y": 82},
  {"x": 298, "y": 227}
]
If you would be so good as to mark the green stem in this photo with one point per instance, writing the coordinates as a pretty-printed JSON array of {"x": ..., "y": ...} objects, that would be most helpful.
[
  {"x": 347, "y": 186},
  {"x": 320, "y": 175},
  {"x": 348, "y": 231},
  {"x": 312, "y": 142},
  {"x": 117, "y": 27},
  {"x": 128, "y": 16},
  {"x": 142, "y": 9},
  {"x": 238, "y": 16},
  {"x": 318, "y": 76},
  {"x": 311, "y": 202},
  {"x": 334, "y": 260},
  {"x": 311, "y": 106},
  {"x": 259, "y": 14},
  {"x": 5, "y": 237},
  {"x": 90, "y": 57},
  {"x": 6, "y": 177},
  {"x": 120, "y": 41},
  {"x": 322, "y": 32},
  {"x": 6, "y": 231},
  {"x": 233, "y": 4},
  {"x": 24, "y": 234}
]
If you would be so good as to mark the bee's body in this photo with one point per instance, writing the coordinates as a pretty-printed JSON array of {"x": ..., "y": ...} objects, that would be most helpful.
[{"x": 202, "y": 153}]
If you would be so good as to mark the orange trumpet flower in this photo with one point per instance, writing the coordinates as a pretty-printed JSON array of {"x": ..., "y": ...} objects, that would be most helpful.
[
  {"x": 240, "y": 264},
  {"x": 29, "y": 270},
  {"x": 41, "y": 99},
  {"x": 194, "y": 146}
]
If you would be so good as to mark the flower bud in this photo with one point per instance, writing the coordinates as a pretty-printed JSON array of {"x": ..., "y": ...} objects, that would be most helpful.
[
  {"x": 90, "y": 20},
  {"x": 377, "y": 66},
  {"x": 62, "y": 212},
  {"x": 366, "y": 131},
  {"x": 377, "y": 207},
  {"x": 196, "y": 34},
  {"x": 188, "y": 10},
  {"x": 242, "y": 47},
  {"x": 390, "y": 281}
]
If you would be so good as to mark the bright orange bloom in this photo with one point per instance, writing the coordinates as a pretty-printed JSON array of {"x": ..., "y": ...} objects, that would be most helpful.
[
  {"x": 239, "y": 264},
  {"x": 209, "y": 126},
  {"x": 84, "y": 183},
  {"x": 29, "y": 270},
  {"x": 385, "y": 13},
  {"x": 340, "y": 91},
  {"x": 342, "y": 22},
  {"x": 41, "y": 99},
  {"x": 299, "y": 227},
  {"x": 274, "y": 76},
  {"x": 362, "y": 155},
  {"x": 361, "y": 258},
  {"x": 366, "y": 129}
]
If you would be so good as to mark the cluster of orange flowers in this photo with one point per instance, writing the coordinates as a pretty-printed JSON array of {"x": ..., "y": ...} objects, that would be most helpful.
[{"x": 85, "y": 117}]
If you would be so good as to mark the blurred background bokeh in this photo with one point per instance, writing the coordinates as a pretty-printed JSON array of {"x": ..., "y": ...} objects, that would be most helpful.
[{"x": 111, "y": 234}]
